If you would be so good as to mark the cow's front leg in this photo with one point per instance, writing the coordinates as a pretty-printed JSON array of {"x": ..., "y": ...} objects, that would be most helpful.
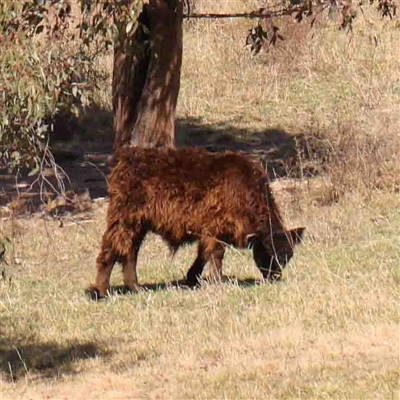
[
  {"x": 215, "y": 263},
  {"x": 208, "y": 249},
  {"x": 194, "y": 273}
]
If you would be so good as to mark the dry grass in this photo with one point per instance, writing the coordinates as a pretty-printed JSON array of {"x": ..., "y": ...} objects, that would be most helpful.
[
  {"x": 329, "y": 330},
  {"x": 341, "y": 90}
]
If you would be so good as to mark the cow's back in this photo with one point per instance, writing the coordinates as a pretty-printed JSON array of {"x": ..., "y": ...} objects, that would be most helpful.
[{"x": 190, "y": 191}]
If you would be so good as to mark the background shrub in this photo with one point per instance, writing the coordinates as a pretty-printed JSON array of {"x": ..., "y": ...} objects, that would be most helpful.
[{"x": 44, "y": 72}]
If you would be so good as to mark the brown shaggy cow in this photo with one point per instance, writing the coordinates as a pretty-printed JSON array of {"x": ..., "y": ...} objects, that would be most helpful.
[{"x": 186, "y": 195}]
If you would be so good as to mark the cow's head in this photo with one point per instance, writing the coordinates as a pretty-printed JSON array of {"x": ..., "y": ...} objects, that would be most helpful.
[{"x": 271, "y": 254}]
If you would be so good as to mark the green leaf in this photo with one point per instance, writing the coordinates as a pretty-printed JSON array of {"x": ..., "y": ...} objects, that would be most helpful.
[
  {"x": 129, "y": 27},
  {"x": 34, "y": 171}
]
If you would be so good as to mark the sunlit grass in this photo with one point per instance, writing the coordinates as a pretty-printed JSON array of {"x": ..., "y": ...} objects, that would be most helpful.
[{"x": 328, "y": 330}]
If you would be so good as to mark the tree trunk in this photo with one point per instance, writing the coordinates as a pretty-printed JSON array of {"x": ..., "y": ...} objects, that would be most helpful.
[{"x": 146, "y": 78}]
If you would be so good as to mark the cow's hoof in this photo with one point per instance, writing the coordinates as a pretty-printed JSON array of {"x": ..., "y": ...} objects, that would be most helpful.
[
  {"x": 93, "y": 293},
  {"x": 272, "y": 277},
  {"x": 192, "y": 283},
  {"x": 129, "y": 289}
]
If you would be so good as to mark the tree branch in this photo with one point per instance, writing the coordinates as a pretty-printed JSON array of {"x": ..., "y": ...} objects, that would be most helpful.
[{"x": 251, "y": 15}]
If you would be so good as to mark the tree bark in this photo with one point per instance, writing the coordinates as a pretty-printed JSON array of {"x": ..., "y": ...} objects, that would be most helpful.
[{"x": 146, "y": 78}]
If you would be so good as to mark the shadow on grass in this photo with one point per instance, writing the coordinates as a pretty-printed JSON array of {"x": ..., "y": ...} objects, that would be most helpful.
[
  {"x": 81, "y": 149},
  {"x": 282, "y": 153},
  {"x": 44, "y": 360},
  {"x": 181, "y": 285}
]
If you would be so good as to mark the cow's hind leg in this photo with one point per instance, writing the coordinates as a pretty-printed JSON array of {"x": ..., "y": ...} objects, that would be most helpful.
[
  {"x": 129, "y": 265},
  {"x": 104, "y": 265},
  {"x": 117, "y": 245},
  {"x": 208, "y": 249}
]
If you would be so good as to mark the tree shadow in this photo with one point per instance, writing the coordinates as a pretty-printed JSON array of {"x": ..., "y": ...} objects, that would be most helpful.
[
  {"x": 283, "y": 153},
  {"x": 81, "y": 149},
  {"x": 73, "y": 139},
  {"x": 44, "y": 360}
]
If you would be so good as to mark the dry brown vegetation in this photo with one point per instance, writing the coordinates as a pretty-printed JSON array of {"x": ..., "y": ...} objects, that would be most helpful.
[
  {"x": 340, "y": 91},
  {"x": 329, "y": 330}
]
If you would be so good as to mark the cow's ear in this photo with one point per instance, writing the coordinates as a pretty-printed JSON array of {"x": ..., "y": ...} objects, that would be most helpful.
[
  {"x": 290, "y": 236},
  {"x": 296, "y": 235},
  {"x": 250, "y": 239}
]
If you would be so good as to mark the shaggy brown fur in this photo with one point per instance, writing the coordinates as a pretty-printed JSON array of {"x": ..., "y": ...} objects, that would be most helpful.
[{"x": 188, "y": 195}]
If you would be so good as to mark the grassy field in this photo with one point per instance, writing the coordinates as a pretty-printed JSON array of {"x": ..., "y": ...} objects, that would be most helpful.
[{"x": 328, "y": 330}]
